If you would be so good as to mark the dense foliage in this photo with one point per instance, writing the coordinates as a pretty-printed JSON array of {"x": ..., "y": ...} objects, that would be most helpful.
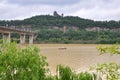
[
  {"x": 108, "y": 71},
  {"x": 21, "y": 64},
  {"x": 44, "y": 25},
  {"x": 80, "y": 36},
  {"x": 48, "y": 20}
]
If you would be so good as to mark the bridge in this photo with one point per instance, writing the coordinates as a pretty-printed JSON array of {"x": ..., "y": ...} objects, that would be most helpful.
[{"x": 6, "y": 34}]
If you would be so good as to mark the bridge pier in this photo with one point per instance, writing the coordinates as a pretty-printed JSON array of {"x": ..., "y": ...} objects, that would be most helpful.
[
  {"x": 6, "y": 33},
  {"x": 31, "y": 37},
  {"x": 6, "y": 37},
  {"x": 22, "y": 38}
]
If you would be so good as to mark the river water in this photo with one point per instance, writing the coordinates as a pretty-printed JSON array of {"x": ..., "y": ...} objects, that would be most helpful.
[{"x": 78, "y": 56}]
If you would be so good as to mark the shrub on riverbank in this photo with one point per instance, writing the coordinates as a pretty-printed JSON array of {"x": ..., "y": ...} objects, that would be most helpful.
[{"x": 21, "y": 64}]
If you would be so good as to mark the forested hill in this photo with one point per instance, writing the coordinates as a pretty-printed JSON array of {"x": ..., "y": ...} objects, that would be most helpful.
[
  {"x": 68, "y": 29},
  {"x": 44, "y": 21}
]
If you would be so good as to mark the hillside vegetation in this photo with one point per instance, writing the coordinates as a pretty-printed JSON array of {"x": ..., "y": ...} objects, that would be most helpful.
[
  {"x": 43, "y": 21},
  {"x": 69, "y": 29}
]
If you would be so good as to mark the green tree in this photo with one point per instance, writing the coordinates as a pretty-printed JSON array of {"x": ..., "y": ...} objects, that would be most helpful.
[
  {"x": 21, "y": 64},
  {"x": 110, "y": 71}
]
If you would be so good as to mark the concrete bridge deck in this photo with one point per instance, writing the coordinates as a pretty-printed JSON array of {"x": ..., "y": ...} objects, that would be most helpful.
[{"x": 6, "y": 33}]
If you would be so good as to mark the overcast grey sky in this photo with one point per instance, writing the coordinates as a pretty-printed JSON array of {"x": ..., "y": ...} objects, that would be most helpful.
[{"x": 89, "y": 9}]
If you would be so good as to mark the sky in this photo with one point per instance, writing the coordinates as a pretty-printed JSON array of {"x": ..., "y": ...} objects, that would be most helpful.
[{"x": 99, "y": 10}]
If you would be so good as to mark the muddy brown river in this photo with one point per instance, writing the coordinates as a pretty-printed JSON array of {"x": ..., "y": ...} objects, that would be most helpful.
[{"x": 78, "y": 56}]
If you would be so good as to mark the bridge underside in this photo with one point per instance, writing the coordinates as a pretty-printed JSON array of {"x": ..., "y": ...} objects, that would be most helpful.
[
  {"x": 6, "y": 35},
  {"x": 7, "y": 38}
]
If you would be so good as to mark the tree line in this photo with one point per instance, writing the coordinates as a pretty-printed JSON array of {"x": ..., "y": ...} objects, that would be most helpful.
[
  {"x": 80, "y": 36},
  {"x": 44, "y": 21}
]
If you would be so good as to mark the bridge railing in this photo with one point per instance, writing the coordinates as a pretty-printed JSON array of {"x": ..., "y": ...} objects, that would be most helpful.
[{"x": 17, "y": 28}]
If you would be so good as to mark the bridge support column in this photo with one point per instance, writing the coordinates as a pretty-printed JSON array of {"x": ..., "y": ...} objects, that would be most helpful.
[
  {"x": 6, "y": 37},
  {"x": 22, "y": 38},
  {"x": 31, "y": 37}
]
